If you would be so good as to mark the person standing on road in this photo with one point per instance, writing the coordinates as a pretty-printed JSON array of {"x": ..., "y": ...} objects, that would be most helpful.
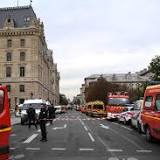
[
  {"x": 51, "y": 113},
  {"x": 42, "y": 122},
  {"x": 31, "y": 117}
]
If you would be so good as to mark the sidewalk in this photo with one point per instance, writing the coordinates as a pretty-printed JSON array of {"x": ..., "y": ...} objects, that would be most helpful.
[{"x": 15, "y": 120}]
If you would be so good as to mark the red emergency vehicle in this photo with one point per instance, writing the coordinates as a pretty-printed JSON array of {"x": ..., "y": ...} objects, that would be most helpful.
[
  {"x": 5, "y": 124},
  {"x": 150, "y": 114},
  {"x": 117, "y": 103}
]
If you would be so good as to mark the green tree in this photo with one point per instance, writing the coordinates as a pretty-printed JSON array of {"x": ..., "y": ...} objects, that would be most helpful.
[
  {"x": 154, "y": 67},
  {"x": 63, "y": 100}
]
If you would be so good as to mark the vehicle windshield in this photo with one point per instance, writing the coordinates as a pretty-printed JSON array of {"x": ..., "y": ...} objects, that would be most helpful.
[
  {"x": 98, "y": 107},
  {"x": 33, "y": 105},
  {"x": 1, "y": 101},
  {"x": 118, "y": 101}
]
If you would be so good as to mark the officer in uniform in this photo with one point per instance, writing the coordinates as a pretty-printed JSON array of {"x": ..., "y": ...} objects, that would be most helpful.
[
  {"x": 51, "y": 113},
  {"x": 42, "y": 122},
  {"x": 31, "y": 116}
]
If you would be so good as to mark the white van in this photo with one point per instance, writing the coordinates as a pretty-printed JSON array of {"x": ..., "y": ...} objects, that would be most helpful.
[{"x": 34, "y": 103}]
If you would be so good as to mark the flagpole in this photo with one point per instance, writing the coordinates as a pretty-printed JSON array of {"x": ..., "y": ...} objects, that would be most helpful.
[
  {"x": 17, "y": 3},
  {"x": 30, "y": 2}
]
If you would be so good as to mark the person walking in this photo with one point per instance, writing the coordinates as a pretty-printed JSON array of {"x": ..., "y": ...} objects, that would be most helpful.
[
  {"x": 42, "y": 122},
  {"x": 51, "y": 113},
  {"x": 31, "y": 117}
]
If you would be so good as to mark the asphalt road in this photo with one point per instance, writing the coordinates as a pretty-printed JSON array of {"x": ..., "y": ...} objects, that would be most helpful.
[{"x": 74, "y": 136}]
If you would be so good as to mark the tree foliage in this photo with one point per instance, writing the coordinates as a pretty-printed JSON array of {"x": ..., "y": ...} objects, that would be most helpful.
[
  {"x": 63, "y": 100},
  {"x": 154, "y": 67}
]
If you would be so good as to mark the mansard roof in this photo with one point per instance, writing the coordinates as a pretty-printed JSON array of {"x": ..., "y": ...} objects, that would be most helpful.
[{"x": 20, "y": 15}]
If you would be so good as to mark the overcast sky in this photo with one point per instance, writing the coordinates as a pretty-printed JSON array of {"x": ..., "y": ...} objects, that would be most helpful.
[{"x": 98, "y": 36}]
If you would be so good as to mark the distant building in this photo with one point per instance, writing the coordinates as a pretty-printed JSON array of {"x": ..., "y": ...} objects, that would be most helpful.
[
  {"x": 132, "y": 80},
  {"x": 26, "y": 63}
]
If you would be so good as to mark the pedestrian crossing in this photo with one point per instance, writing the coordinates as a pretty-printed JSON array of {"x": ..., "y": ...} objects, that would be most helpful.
[{"x": 77, "y": 119}]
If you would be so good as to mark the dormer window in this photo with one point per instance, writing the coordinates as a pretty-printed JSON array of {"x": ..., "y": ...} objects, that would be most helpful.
[
  {"x": 9, "y": 20},
  {"x": 27, "y": 19}
]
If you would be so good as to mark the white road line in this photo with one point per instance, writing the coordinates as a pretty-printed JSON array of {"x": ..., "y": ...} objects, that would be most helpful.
[
  {"x": 116, "y": 123},
  {"x": 86, "y": 149},
  {"x": 103, "y": 126},
  {"x": 58, "y": 149},
  {"x": 127, "y": 128},
  {"x": 85, "y": 128},
  {"x": 19, "y": 156},
  {"x": 32, "y": 149},
  {"x": 91, "y": 137},
  {"x": 30, "y": 138},
  {"x": 13, "y": 135},
  {"x": 143, "y": 151},
  {"x": 115, "y": 150},
  {"x": 47, "y": 124},
  {"x": 12, "y": 148}
]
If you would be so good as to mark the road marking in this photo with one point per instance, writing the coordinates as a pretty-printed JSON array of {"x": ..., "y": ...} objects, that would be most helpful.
[
  {"x": 47, "y": 124},
  {"x": 143, "y": 151},
  {"x": 86, "y": 149},
  {"x": 55, "y": 128},
  {"x": 85, "y": 128},
  {"x": 103, "y": 126},
  {"x": 30, "y": 138},
  {"x": 91, "y": 137},
  {"x": 12, "y": 148},
  {"x": 127, "y": 128},
  {"x": 13, "y": 135},
  {"x": 19, "y": 156},
  {"x": 115, "y": 150},
  {"x": 58, "y": 149},
  {"x": 116, "y": 123},
  {"x": 32, "y": 149}
]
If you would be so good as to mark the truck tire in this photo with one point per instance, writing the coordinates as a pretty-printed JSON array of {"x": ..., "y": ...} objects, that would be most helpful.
[
  {"x": 139, "y": 127},
  {"x": 149, "y": 137}
]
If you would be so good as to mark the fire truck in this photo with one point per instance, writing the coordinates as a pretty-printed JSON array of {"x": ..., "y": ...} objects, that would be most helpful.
[
  {"x": 5, "y": 124},
  {"x": 117, "y": 103}
]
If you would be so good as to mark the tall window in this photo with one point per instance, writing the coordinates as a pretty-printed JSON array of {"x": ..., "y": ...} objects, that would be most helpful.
[
  {"x": 9, "y": 43},
  {"x": 9, "y": 56},
  {"x": 9, "y": 88},
  {"x": 21, "y": 100},
  {"x": 22, "y": 42},
  {"x": 8, "y": 71},
  {"x": 22, "y": 56},
  {"x": 22, "y": 71},
  {"x": 21, "y": 88}
]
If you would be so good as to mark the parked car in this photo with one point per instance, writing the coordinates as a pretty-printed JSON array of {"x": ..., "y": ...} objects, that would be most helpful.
[
  {"x": 58, "y": 109},
  {"x": 126, "y": 115},
  {"x": 136, "y": 118}
]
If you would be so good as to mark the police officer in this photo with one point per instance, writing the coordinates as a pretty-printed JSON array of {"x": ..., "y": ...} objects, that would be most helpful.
[
  {"x": 42, "y": 122},
  {"x": 31, "y": 116},
  {"x": 51, "y": 113}
]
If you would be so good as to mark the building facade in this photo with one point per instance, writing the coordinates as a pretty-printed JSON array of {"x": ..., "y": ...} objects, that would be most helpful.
[{"x": 26, "y": 64}]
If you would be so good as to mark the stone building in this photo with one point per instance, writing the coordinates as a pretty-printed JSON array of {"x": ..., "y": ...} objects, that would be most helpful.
[
  {"x": 132, "y": 80},
  {"x": 26, "y": 64}
]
